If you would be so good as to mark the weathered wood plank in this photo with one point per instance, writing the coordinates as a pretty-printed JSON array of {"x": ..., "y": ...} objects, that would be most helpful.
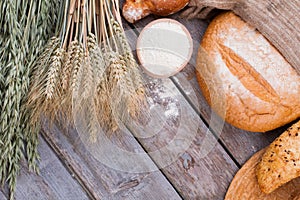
[
  {"x": 106, "y": 182},
  {"x": 241, "y": 144},
  {"x": 2, "y": 196},
  {"x": 185, "y": 172},
  {"x": 54, "y": 181},
  {"x": 200, "y": 170}
]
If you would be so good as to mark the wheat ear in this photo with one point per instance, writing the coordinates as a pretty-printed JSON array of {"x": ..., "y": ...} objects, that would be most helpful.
[
  {"x": 36, "y": 95},
  {"x": 96, "y": 58},
  {"x": 76, "y": 75},
  {"x": 137, "y": 104},
  {"x": 52, "y": 81}
]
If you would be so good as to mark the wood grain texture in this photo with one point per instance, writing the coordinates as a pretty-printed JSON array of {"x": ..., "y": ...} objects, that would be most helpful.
[
  {"x": 104, "y": 182},
  {"x": 54, "y": 181},
  {"x": 2, "y": 196},
  {"x": 201, "y": 171},
  {"x": 241, "y": 144}
]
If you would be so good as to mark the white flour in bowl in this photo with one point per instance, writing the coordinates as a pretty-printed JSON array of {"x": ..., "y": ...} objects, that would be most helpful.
[{"x": 164, "y": 47}]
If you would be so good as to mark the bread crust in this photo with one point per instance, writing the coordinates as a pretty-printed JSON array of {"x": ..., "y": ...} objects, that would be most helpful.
[
  {"x": 261, "y": 89},
  {"x": 244, "y": 185},
  {"x": 134, "y": 10},
  {"x": 281, "y": 161}
]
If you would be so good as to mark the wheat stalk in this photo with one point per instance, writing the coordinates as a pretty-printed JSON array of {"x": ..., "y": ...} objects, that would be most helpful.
[
  {"x": 88, "y": 69},
  {"x": 96, "y": 57},
  {"x": 118, "y": 87},
  {"x": 39, "y": 68},
  {"x": 52, "y": 86},
  {"x": 132, "y": 66},
  {"x": 67, "y": 66},
  {"x": 76, "y": 76},
  {"x": 134, "y": 100},
  {"x": 88, "y": 88},
  {"x": 44, "y": 98},
  {"x": 103, "y": 106},
  {"x": 41, "y": 78},
  {"x": 39, "y": 34},
  {"x": 66, "y": 75}
]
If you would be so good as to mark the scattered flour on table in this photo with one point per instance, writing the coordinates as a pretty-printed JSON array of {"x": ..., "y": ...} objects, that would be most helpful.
[
  {"x": 172, "y": 110},
  {"x": 164, "y": 95}
]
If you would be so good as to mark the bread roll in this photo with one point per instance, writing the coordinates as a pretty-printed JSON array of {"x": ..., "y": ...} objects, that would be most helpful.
[
  {"x": 281, "y": 161},
  {"x": 244, "y": 185},
  {"x": 135, "y": 10},
  {"x": 237, "y": 66}
]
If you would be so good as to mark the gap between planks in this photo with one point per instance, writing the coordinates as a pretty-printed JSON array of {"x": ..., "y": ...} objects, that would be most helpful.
[
  {"x": 192, "y": 104},
  {"x": 53, "y": 182},
  {"x": 186, "y": 187},
  {"x": 240, "y": 145},
  {"x": 67, "y": 163},
  {"x": 169, "y": 171},
  {"x": 191, "y": 175},
  {"x": 101, "y": 181}
]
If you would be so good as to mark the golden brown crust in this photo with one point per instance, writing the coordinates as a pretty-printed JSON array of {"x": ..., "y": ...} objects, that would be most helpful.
[
  {"x": 281, "y": 161},
  {"x": 164, "y": 8},
  {"x": 244, "y": 185},
  {"x": 134, "y": 10},
  {"x": 203, "y": 86},
  {"x": 261, "y": 90}
]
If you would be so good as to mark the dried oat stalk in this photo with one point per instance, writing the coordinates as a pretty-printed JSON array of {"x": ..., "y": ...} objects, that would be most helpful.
[{"x": 25, "y": 28}]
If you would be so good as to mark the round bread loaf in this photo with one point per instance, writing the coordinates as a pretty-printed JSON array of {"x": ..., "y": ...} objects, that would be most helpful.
[{"x": 237, "y": 66}]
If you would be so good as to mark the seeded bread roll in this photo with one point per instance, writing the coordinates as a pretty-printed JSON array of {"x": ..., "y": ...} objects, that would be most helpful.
[
  {"x": 237, "y": 68},
  {"x": 244, "y": 185},
  {"x": 281, "y": 161}
]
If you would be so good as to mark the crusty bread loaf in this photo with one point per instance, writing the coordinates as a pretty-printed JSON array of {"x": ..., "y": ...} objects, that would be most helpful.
[
  {"x": 281, "y": 161},
  {"x": 237, "y": 66},
  {"x": 135, "y": 10}
]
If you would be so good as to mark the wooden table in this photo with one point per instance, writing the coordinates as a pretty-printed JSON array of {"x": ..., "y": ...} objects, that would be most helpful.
[{"x": 68, "y": 171}]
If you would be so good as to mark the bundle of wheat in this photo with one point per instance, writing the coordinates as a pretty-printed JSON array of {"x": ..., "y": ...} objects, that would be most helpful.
[{"x": 86, "y": 67}]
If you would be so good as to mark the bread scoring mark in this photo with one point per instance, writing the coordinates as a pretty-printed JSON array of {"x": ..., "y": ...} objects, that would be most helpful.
[{"x": 248, "y": 76}]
